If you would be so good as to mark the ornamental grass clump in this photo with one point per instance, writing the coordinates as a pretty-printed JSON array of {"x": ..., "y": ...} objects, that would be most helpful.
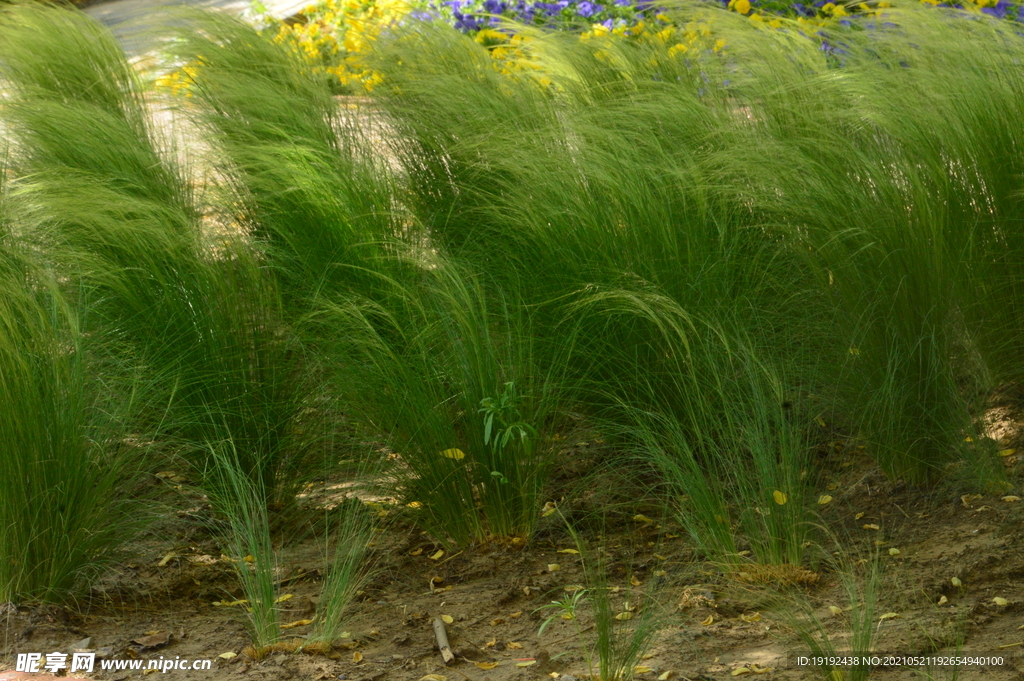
[
  {"x": 448, "y": 372},
  {"x": 98, "y": 195},
  {"x": 65, "y": 470}
]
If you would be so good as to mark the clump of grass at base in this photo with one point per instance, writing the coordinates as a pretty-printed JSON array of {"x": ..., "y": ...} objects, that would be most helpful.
[
  {"x": 447, "y": 372},
  {"x": 64, "y": 470},
  {"x": 623, "y": 630},
  {"x": 239, "y": 498},
  {"x": 858, "y": 615},
  {"x": 346, "y": 542}
]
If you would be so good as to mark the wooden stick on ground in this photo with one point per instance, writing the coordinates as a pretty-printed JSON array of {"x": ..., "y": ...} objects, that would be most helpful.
[{"x": 442, "y": 640}]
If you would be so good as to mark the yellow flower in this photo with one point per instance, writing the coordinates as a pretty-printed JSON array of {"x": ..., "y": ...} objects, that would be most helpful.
[
  {"x": 742, "y": 6},
  {"x": 719, "y": 44},
  {"x": 678, "y": 48}
]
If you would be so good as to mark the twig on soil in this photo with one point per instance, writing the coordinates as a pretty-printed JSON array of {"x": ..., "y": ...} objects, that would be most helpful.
[{"x": 442, "y": 640}]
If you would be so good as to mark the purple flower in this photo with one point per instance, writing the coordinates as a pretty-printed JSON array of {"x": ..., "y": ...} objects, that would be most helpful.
[
  {"x": 494, "y": 6},
  {"x": 588, "y": 9},
  {"x": 999, "y": 11},
  {"x": 802, "y": 9}
]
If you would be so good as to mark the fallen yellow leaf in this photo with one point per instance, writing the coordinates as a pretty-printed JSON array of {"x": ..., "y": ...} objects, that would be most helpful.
[
  {"x": 835, "y": 610},
  {"x": 357, "y": 656},
  {"x": 780, "y": 498},
  {"x": 447, "y": 619},
  {"x": 228, "y": 655},
  {"x": 754, "y": 617},
  {"x": 572, "y": 551},
  {"x": 871, "y": 526},
  {"x": 1011, "y": 498},
  {"x": 709, "y": 621},
  {"x": 956, "y": 582},
  {"x": 416, "y": 552},
  {"x": 548, "y": 509},
  {"x": 486, "y": 665},
  {"x": 526, "y": 663},
  {"x": 825, "y": 499},
  {"x": 665, "y": 676},
  {"x": 634, "y": 581},
  {"x": 641, "y": 518},
  {"x": 888, "y": 616},
  {"x": 642, "y": 670},
  {"x": 999, "y": 600},
  {"x": 741, "y": 670},
  {"x": 1007, "y": 452},
  {"x": 859, "y": 516},
  {"x": 434, "y": 677},
  {"x": 757, "y": 669},
  {"x": 453, "y": 453},
  {"x": 438, "y": 555},
  {"x": 284, "y": 597},
  {"x": 894, "y": 552},
  {"x": 942, "y": 600},
  {"x": 516, "y": 615},
  {"x": 554, "y": 567},
  {"x": 490, "y": 644},
  {"x": 624, "y": 616},
  {"x": 296, "y": 623},
  {"x": 514, "y": 645}
]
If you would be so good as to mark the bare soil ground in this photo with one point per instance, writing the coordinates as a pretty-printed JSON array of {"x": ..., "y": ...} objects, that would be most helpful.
[{"x": 714, "y": 625}]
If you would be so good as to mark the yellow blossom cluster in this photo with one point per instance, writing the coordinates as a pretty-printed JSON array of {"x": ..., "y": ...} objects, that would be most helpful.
[{"x": 335, "y": 36}]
